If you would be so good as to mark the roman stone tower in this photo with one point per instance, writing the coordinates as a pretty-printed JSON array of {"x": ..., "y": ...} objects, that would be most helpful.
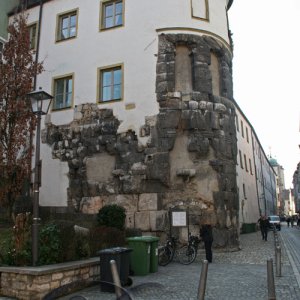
[{"x": 143, "y": 113}]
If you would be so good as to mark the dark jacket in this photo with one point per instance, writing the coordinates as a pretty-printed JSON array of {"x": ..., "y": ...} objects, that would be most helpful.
[
  {"x": 264, "y": 223},
  {"x": 206, "y": 233}
]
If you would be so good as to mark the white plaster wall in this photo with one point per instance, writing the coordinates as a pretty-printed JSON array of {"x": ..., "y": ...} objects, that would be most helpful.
[
  {"x": 249, "y": 211},
  {"x": 55, "y": 180},
  {"x": 135, "y": 45}
]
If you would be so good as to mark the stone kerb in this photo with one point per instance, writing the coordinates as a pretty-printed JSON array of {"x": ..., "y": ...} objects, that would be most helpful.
[{"x": 33, "y": 283}]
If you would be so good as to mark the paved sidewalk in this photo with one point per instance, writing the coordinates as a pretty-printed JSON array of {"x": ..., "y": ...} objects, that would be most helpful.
[{"x": 232, "y": 275}]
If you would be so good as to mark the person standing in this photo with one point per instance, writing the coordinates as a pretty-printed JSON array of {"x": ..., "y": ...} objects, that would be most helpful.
[
  {"x": 260, "y": 227},
  {"x": 207, "y": 237},
  {"x": 264, "y": 225},
  {"x": 288, "y": 220}
]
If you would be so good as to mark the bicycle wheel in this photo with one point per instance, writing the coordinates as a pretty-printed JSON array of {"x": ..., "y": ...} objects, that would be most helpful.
[
  {"x": 187, "y": 254},
  {"x": 165, "y": 255}
]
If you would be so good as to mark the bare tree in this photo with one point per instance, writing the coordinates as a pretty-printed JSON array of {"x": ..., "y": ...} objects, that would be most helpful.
[{"x": 17, "y": 122}]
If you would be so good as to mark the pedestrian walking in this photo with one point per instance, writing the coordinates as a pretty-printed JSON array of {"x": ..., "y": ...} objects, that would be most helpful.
[
  {"x": 292, "y": 221},
  {"x": 264, "y": 225},
  {"x": 288, "y": 220},
  {"x": 207, "y": 237}
]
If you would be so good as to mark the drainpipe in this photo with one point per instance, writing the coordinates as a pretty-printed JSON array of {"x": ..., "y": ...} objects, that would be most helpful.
[{"x": 38, "y": 42}]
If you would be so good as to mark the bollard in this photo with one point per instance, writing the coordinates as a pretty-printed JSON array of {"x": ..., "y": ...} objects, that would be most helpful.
[
  {"x": 202, "y": 283},
  {"x": 278, "y": 261},
  {"x": 116, "y": 278},
  {"x": 270, "y": 278}
]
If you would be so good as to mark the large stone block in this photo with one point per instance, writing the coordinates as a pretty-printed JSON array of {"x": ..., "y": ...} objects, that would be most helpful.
[
  {"x": 148, "y": 202},
  {"x": 129, "y": 202},
  {"x": 91, "y": 205},
  {"x": 158, "y": 220},
  {"x": 129, "y": 222},
  {"x": 161, "y": 86},
  {"x": 142, "y": 220},
  {"x": 158, "y": 167},
  {"x": 197, "y": 120},
  {"x": 169, "y": 119}
]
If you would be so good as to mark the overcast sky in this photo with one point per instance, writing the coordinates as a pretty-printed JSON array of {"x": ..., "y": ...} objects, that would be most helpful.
[{"x": 266, "y": 74}]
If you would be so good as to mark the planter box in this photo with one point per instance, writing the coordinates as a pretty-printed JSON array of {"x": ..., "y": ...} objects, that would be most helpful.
[{"x": 33, "y": 283}]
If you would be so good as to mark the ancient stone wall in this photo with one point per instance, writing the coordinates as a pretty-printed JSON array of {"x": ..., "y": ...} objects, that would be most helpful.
[{"x": 188, "y": 162}]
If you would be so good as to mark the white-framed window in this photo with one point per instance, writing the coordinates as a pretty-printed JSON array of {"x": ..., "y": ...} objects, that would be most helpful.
[
  {"x": 112, "y": 14},
  {"x": 67, "y": 25},
  {"x": 111, "y": 83},
  {"x": 63, "y": 92},
  {"x": 32, "y": 31}
]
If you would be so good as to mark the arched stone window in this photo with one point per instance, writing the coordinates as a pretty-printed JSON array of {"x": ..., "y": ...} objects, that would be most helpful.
[
  {"x": 215, "y": 74},
  {"x": 183, "y": 70}
]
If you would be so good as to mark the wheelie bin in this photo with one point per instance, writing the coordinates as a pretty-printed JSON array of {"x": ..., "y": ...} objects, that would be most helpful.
[
  {"x": 121, "y": 256},
  {"x": 140, "y": 255},
  {"x": 153, "y": 252}
]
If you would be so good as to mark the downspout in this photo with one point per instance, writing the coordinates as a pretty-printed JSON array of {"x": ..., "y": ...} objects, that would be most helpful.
[{"x": 38, "y": 42}]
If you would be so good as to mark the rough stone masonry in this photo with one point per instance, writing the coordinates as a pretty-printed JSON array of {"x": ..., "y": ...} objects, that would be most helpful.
[{"x": 188, "y": 162}]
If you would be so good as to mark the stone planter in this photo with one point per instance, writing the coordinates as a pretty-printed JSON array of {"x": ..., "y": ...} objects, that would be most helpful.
[{"x": 33, "y": 283}]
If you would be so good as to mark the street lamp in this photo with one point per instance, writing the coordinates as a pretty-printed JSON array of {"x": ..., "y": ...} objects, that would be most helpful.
[{"x": 40, "y": 104}]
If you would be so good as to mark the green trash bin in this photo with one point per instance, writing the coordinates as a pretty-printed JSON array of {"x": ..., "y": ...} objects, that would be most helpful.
[
  {"x": 153, "y": 252},
  {"x": 140, "y": 255}
]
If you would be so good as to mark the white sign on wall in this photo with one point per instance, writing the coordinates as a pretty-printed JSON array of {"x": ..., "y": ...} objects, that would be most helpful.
[{"x": 179, "y": 218}]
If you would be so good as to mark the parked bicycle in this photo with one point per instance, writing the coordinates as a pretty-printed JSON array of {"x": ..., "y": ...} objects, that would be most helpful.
[{"x": 186, "y": 254}]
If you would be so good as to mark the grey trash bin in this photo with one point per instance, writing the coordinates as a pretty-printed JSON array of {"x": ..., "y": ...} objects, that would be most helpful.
[{"x": 121, "y": 256}]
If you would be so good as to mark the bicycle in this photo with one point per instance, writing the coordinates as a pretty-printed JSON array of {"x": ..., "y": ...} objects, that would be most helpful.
[{"x": 186, "y": 254}]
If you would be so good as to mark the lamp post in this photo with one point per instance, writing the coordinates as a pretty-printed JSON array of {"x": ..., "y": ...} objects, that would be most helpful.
[{"x": 40, "y": 104}]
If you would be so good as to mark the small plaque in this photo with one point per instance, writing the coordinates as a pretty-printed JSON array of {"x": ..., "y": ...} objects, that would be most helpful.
[
  {"x": 130, "y": 106},
  {"x": 179, "y": 218}
]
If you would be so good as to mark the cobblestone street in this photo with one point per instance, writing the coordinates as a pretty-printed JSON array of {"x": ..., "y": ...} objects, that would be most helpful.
[{"x": 232, "y": 275}]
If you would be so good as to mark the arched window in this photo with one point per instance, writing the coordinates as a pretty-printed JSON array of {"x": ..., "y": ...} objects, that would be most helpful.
[
  {"x": 183, "y": 70},
  {"x": 215, "y": 74}
]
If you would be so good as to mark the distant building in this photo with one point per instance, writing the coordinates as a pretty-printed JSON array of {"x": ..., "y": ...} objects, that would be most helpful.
[
  {"x": 280, "y": 184},
  {"x": 246, "y": 175},
  {"x": 286, "y": 197},
  {"x": 296, "y": 188},
  {"x": 256, "y": 177}
]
